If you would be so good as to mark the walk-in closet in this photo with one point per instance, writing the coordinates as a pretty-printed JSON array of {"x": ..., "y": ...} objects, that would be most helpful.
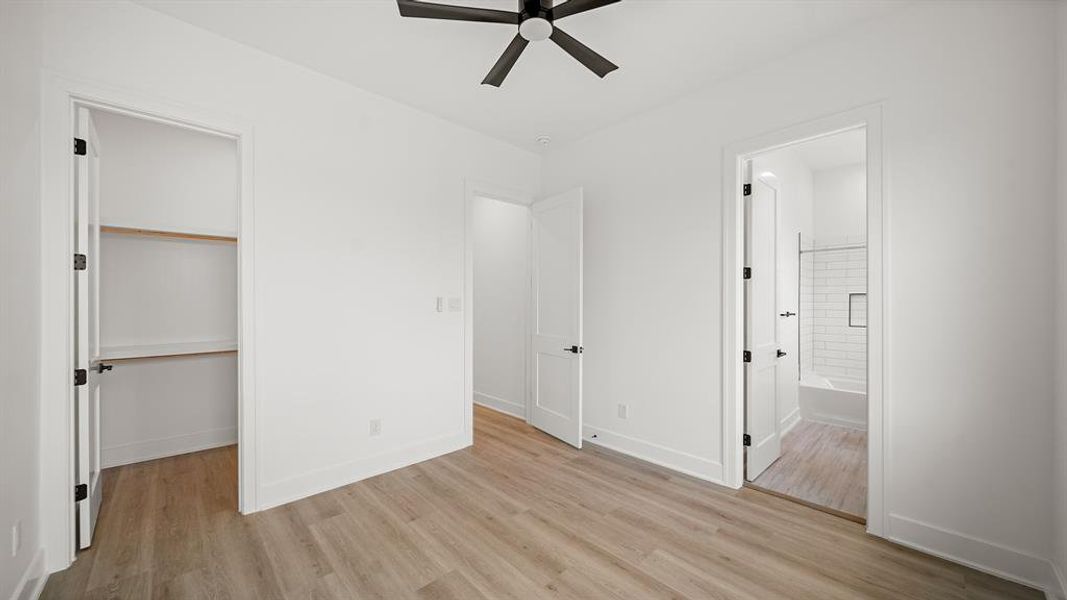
[{"x": 163, "y": 286}]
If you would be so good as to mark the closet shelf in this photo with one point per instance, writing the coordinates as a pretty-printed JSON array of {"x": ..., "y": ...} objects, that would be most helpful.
[
  {"x": 115, "y": 353},
  {"x": 182, "y": 235}
]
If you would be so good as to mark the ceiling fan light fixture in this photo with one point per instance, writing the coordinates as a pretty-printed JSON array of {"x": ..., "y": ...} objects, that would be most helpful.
[
  {"x": 535, "y": 20},
  {"x": 535, "y": 29}
]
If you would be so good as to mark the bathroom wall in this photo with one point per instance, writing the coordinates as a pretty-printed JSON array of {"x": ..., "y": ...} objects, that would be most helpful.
[
  {"x": 840, "y": 203},
  {"x": 835, "y": 343}
]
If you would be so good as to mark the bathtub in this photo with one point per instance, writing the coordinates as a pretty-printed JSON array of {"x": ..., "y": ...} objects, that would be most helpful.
[{"x": 833, "y": 401}]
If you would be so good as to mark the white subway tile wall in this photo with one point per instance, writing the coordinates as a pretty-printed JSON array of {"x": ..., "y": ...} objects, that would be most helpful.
[
  {"x": 827, "y": 276},
  {"x": 807, "y": 304}
]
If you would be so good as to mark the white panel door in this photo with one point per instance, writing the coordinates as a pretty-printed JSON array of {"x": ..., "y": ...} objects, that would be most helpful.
[
  {"x": 557, "y": 321},
  {"x": 87, "y": 347},
  {"x": 761, "y": 329}
]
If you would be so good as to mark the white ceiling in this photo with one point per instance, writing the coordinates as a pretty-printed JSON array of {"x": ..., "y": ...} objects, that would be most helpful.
[
  {"x": 664, "y": 48},
  {"x": 848, "y": 148}
]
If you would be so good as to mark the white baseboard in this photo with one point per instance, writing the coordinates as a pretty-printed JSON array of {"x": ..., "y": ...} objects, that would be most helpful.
[
  {"x": 789, "y": 422},
  {"x": 692, "y": 465},
  {"x": 988, "y": 557},
  {"x": 500, "y": 405},
  {"x": 828, "y": 419},
  {"x": 172, "y": 446},
  {"x": 1060, "y": 593},
  {"x": 328, "y": 478},
  {"x": 31, "y": 584}
]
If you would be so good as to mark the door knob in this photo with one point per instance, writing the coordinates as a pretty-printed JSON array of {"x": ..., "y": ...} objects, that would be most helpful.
[
  {"x": 788, "y": 314},
  {"x": 101, "y": 367},
  {"x": 781, "y": 353},
  {"x": 574, "y": 349}
]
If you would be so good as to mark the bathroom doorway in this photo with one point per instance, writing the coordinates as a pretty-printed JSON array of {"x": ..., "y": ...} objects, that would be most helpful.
[{"x": 805, "y": 299}]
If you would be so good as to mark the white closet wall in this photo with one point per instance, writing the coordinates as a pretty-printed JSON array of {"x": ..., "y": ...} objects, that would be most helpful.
[
  {"x": 157, "y": 290},
  {"x": 162, "y": 177},
  {"x": 159, "y": 295}
]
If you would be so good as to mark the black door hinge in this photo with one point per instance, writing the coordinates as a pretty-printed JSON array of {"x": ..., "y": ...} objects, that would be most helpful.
[
  {"x": 746, "y": 190},
  {"x": 79, "y": 262},
  {"x": 80, "y": 377},
  {"x": 746, "y": 356},
  {"x": 81, "y": 492},
  {"x": 79, "y": 147},
  {"x": 748, "y": 273},
  {"x": 746, "y": 439}
]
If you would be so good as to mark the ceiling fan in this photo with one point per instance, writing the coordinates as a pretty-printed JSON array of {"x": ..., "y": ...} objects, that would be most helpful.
[{"x": 536, "y": 21}]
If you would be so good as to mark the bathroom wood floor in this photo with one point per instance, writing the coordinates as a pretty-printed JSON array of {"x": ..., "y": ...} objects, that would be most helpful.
[
  {"x": 518, "y": 515},
  {"x": 822, "y": 464}
]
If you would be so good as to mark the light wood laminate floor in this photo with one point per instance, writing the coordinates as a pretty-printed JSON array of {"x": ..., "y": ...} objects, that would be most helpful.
[
  {"x": 518, "y": 515},
  {"x": 825, "y": 465}
]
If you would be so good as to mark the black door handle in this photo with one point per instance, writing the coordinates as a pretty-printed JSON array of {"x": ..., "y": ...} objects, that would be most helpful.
[
  {"x": 788, "y": 314},
  {"x": 101, "y": 367},
  {"x": 781, "y": 353},
  {"x": 574, "y": 349}
]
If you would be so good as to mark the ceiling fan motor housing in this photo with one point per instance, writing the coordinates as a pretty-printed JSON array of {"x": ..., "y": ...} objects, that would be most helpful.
[{"x": 536, "y": 21}]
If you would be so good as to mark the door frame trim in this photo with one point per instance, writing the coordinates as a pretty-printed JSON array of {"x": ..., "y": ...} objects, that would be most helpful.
[
  {"x": 60, "y": 97},
  {"x": 476, "y": 188},
  {"x": 878, "y": 340}
]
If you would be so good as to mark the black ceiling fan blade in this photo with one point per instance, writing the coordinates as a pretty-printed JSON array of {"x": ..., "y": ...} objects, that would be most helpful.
[
  {"x": 507, "y": 60},
  {"x": 573, "y": 7},
  {"x": 584, "y": 54},
  {"x": 432, "y": 10}
]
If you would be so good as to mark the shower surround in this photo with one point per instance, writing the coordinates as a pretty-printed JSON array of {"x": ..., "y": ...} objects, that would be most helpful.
[{"x": 833, "y": 342}]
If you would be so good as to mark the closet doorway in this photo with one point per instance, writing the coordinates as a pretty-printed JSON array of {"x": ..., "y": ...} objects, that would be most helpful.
[
  {"x": 157, "y": 312},
  {"x": 524, "y": 277}
]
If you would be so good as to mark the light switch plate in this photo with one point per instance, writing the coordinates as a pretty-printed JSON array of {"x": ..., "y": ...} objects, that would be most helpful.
[{"x": 455, "y": 304}]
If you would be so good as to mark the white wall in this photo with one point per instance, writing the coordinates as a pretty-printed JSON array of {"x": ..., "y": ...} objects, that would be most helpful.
[
  {"x": 158, "y": 176},
  {"x": 840, "y": 204},
  {"x": 20, "y": 288},
  {"x": 795, "y": 216},
  {"x": 501, "y": 291},
  {"x": 968, "y": 90},
  {"x": 162, "y": 407},
  {"x": 166, "y": 291},
  {"x": 1059, "y": 477},
  {"x": 359, "y": 225}
]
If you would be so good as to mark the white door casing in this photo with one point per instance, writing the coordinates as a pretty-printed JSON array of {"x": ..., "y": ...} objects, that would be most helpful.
[
  {"x": 556, "y": 338},
  {"x": 761, "y": 329},
  {"x": 86, "y": 340}
]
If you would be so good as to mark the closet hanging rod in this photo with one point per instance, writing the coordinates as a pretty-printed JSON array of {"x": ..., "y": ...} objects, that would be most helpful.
[
  {"x": 183, "y": 235},
  {"x": 832, "y": 248}
]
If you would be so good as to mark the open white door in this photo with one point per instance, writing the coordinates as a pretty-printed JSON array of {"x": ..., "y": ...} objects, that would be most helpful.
[
  {"x": 761, "y": 329},
  {"x": 86, "y": 345},
  {"x": 557, "y": 323}
]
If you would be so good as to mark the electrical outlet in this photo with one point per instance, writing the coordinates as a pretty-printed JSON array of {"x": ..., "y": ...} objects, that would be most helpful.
[
  {"x": 455, "y": 304},
  {"x": 624, "y": 411},
  {"x": 375, "y": 427},
  {"x": 16, "y": 538},
  {"x": 440, "y": 304}
]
